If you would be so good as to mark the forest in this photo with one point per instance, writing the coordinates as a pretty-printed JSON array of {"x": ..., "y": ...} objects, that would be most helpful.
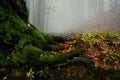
[{"x": 28, "y": 53}]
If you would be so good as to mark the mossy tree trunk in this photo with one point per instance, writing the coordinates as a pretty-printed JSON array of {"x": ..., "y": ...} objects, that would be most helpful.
[{"x": 16, "y": 7}]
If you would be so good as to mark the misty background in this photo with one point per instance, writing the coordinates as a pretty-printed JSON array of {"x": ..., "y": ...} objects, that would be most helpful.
[{"x": 62, "y": 16}]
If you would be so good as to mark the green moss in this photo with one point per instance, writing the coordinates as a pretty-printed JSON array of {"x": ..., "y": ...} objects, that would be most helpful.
[
  {"x": 48, "y": 58},
  {"x": 56, "y": 47},
  {"x": 18, "y": 41}
]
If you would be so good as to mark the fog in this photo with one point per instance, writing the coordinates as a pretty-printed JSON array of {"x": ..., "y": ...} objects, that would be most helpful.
[{"x": 62, "y": 16}]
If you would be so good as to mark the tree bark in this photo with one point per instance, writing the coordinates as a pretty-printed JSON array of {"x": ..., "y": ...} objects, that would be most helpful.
[{"x": 16, "y": 7}]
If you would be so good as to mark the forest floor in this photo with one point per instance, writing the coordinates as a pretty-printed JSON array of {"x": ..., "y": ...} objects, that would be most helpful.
[{"x": 102, "y": 48}]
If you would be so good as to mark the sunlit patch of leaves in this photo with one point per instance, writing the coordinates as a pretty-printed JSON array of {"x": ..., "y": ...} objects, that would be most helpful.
[
  {"x": 63, "y": 48},
  {"x": 103, "y": 48}
]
